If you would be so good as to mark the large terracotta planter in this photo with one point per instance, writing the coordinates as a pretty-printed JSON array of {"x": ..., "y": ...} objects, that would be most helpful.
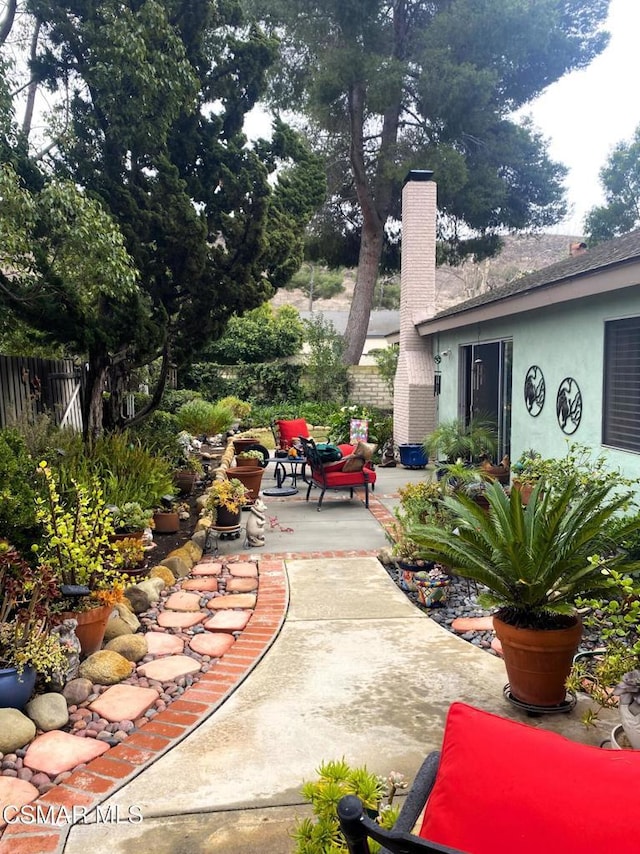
[
  {"x": 251, "y": 478},
  {"x": 538, "y": 661},
  {"x": 16, "y": 689},
  {"x": 91, "y": 627},
  {"x": 244, "y": 443}
]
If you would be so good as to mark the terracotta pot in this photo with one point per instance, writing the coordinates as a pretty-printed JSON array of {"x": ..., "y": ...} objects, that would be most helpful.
[
  {"x": 525, "y": 490},
  {"x": 166, "y": 523},
  {"x": 246, "y": 462},
  {"x": 126, "y": 535},
  {"x": 91, "y": 627},
  {"x": 15, "y": 690},
  {"x": 184, "y": 481},
  {"x": 244, "y": 444},
  {"x": 251, "y": 478},
  {"x": 538, "y": 661}
]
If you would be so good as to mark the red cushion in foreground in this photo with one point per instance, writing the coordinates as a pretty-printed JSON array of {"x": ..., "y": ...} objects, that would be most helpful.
[{"x": 508, "y": 788}]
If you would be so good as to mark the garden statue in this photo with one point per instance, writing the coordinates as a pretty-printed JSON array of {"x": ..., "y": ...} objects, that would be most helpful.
[
  {"x": 71, "y": 649},
  {"x": 256, "y": 524}
]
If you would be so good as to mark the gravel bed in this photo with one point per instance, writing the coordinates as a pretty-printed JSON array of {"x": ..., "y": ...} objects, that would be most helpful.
[{"x": 462, "y": 601}]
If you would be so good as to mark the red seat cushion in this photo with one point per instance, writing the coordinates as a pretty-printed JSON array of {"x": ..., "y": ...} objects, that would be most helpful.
[
  {"x": 291, "y": 430},
  {"x": 507, "y": 788},
  {"x": 342, "y": 478}
]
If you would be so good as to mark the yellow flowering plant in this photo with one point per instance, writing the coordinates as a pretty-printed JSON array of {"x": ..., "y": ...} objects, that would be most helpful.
[
  {"x": 229, "y": 493},
  {"x": 76, "y": 542}
]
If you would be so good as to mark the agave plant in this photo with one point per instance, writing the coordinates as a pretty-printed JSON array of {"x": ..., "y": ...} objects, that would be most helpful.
[{"x": 533, "y": 560}]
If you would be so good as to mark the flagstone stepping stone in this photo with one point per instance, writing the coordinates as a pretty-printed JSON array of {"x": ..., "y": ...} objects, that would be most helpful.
[
  {"x": 14, "y": 793},
  {"x": 242, "y": 585},
  {"x": 178, "y": 620},
  {"x": 160, "y": 644},
  {"x": 235, "y": 600},
  {"x": 228, "y": 621},
  {"x": 214, "y": 645},
  {"x": 169, "y": 668},
  {"x": 207, "y": 568},
  {"x": 496, "y": 646},
  {"x": 244, "y": 569},
  {"x": 56, "y": 751},
  {"x": 203, "y": 584},
  {"x": 183, "y": 602},
  {"x": 472, "y": 624},
  {"x": 124, "y": 702}
]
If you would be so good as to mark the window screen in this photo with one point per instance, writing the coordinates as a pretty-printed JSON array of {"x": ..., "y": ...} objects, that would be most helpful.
[{"x": 621, "y": 414}]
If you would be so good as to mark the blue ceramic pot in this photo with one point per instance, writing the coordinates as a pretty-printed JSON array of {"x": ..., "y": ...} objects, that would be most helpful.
[{"x": 15, "y": 690}]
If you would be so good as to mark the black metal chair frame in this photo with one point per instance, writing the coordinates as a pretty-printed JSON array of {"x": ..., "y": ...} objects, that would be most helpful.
[
  {"x": 357, "y": 828},
  {"x": 317, "y": 469}
]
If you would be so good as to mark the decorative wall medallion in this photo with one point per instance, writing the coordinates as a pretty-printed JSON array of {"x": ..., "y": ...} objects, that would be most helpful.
[
  {"x": 569, "y": 406},
  {"x": 534, "y": 390}
]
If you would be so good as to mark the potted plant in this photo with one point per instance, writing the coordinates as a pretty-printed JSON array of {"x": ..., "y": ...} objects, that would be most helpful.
[
  {"x": 129, "y": 556},
  {"x": 202, "y": 418},
  {"x": 26, "y": 645},
  {"x": 225, "y": 499},
  {"x": 130, "y": 520},
  {"x": 455, "y": 440},
  {"x": 76, "y": 545},
  {"x": 251, "y": 457},
  {"x": 166, "y": 518},
  {"x": 534, "y": 562}
]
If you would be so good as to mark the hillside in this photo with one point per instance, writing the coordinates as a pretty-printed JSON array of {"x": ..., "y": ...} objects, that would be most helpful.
[{"x": 521, "y": 254}]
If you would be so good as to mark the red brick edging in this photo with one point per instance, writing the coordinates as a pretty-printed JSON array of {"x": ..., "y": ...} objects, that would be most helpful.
[{"x": 85, "y": 789}]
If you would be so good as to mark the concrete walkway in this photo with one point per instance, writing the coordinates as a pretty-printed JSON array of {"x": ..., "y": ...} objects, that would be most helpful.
[{"x": 356, "y": 671}]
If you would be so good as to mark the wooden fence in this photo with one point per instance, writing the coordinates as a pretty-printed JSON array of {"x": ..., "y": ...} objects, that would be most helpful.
[{"x": 33, "y": 386}]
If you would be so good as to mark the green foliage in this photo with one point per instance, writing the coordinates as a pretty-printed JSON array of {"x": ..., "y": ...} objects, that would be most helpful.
[
  {"x": 380, "y": 424},
  {"x": 537, "y": 559},
  {"x": 173, "y": 399},
  {"x": 126, "y": 470},
  {"x": 19, "y": 486},
  {"x": 130, "y": 518},
  {"x": 457, "y": 440},
  {"x": 201, "y": 418},
  {"x": 76, "y": 534},
  {"x": 386, "y": 360},
  {"x": 314, "y": 412},
  {"x": 267, "y": 382},
  {"x": 317, "y": 282},
  {"x": 620, "y": 179},
  {"x": 158, "y": 433},
  {"x": 241, "y": 408},
  {"x": 260, "y": 335},
  {"x": 209, "y": 380},
  {"x": 336, "y": 778},
  {"x": 325, "y": 372}
]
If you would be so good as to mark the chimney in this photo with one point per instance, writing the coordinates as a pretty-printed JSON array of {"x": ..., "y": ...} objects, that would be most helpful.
[
  {"x": 414, "y": 404},
  {"x": 577, "y": 249}
]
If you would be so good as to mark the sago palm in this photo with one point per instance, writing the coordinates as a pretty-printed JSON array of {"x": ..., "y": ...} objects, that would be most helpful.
[{"x": 532, "y": 559}]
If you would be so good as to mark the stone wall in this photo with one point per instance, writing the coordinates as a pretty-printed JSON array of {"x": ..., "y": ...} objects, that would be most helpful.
[{"x": 367, "y": 387}]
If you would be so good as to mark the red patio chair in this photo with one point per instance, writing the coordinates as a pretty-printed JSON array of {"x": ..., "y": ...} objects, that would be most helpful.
[
  {"x": 346, "y": 473},
  {"x": 504, "y": 787}
]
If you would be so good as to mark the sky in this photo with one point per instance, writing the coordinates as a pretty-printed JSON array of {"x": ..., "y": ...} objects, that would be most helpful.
[{"x": 588, "y": 111}]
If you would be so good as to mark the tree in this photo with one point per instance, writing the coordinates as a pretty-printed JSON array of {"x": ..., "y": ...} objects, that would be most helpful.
[
  {"x": 388, "y": 86},
  {"x": 620, "y": 179},
  {"x": 156, "y": 93},
  {"x": 317, "y": 282},
  {"x": 260, "y": 335}
]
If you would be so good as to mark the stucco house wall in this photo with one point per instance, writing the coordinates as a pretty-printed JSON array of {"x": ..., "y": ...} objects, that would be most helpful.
[{"x": 555, "y": 319}]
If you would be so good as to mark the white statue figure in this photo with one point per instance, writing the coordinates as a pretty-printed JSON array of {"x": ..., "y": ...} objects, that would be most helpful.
[{"x": 256, "y": 524}]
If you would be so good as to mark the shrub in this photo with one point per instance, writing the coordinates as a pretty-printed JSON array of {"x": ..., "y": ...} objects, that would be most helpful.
[
  {"x": 19, "y": 487},
  {"x": 201, "y": 418}
]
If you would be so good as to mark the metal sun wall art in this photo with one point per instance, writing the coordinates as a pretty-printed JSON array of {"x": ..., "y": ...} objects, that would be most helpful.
[
  {"x": 569, "y": 406},
  {"x": 534, "y": 391}
]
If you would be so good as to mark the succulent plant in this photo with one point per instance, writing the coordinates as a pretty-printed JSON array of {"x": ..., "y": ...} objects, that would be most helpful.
[{"x": 628, "y": 691}]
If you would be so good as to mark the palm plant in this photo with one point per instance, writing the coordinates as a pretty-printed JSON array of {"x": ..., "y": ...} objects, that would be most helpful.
[
  {"x": 457, "y": 440},
  {"x": 533, "y": 560}
]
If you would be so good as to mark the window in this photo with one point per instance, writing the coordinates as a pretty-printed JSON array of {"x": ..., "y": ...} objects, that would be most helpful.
[{"x": 621, "y": 397}]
